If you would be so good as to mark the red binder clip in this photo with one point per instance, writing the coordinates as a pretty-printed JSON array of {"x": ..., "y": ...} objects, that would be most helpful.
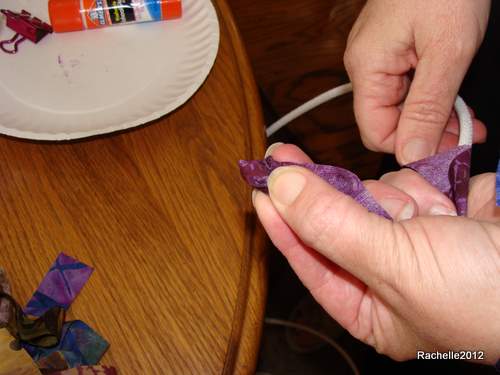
[{"x": 26, "y": 27}]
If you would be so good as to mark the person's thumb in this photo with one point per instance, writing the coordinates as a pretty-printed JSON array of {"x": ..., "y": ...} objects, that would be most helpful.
[
  {"x": 335, "y": 225},
  {"x": 428, "y": 105}
]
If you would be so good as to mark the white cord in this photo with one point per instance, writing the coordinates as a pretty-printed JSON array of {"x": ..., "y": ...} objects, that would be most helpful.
[
  {"x": 463, "y": 113},
  {"x": 329, "y": 340},
  {"x": 465, "y": 120},
  {"x": 307, "y": 106}
]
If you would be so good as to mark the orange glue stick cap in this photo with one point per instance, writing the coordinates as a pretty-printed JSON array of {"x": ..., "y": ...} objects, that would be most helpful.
[{"x": 65, "y": 15}]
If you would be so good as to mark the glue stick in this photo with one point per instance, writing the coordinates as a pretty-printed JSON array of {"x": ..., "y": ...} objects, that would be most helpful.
[{"x": 74, "y": 15}]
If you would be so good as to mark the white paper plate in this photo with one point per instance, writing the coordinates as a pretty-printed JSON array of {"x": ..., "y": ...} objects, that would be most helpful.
[{"x": 93, "y": 82}]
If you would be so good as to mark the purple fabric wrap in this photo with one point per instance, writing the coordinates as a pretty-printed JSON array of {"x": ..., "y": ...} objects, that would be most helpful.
[
  {"x": 60, "y": 286},
  {"x": 498, "y": 184},
  {"x": 447, "y": 171},
  {"x": 256, "y": 172}
]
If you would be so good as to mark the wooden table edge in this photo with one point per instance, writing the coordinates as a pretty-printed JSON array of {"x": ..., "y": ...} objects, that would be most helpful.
[{"x": 244, "y": 343}]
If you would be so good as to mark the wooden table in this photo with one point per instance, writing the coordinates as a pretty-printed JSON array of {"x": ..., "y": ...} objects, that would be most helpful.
[{"x": 163, "y": 215}]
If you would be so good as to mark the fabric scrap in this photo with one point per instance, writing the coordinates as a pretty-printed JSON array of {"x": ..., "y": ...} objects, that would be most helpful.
[
  {"x": 4, "y": 303},
  {"x": 498, "y": 193},
  {"x": 60, "y": 286},
  {"x": 449, "y": 172},
  {"x": 44, "y": 331},
  {"x": 256, "y": 172},
  {"x": 79, "y": 345},
  {"x": 54, "y": 360},
  {"x": 14, "y": 362},
  {"x": 87, "y": 370}
]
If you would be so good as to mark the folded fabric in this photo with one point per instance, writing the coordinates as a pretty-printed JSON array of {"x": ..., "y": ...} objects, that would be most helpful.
[
  {"x": 60, "y": 286},
  {"x": 256, "y": 172},
  {"x": 43, "y": 331},
  {"x": 87, "y": 370},
  {"x": 4, "y": 303},
  {"x": 498, "y": 188},
  {"x": 14, "y": 362},
  {"x": 447, "y": 171},
  {"x": 79, "y": 345}
]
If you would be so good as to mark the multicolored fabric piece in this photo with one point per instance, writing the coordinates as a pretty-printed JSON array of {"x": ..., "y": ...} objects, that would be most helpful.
[
  {"x": 79, "y": 345},
  {"x": 256, "y": 172},
  {"x": 87, "y": 370},
  {"x": 44, "y": 331},
  {"x": 4, "y": 303},
  {"x": 60, "y": 286},
  {"x": 447, "y": 171},
  {"x": 498, "y": 193},
  {"x": 52, "y": 361}
]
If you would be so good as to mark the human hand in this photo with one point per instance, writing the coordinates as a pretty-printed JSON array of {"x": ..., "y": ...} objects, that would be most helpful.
[
  {"x": 423, "y": 283},
  {"x": 390, "y": 39}
]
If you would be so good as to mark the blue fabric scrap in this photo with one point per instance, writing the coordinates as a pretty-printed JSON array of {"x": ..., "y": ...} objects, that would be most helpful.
[
  {"x": 79, "y": 345},
  {"x": 498, "y": 193}
]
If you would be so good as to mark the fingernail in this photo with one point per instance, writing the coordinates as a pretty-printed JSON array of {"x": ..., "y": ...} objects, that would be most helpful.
[
  {"x": 406, "y": 213},
  {"x": 416, "y": 149},
  {"x": 285, "y": 184},
  {"x": 271, "y": 148},
  {"x": 398, "y": 209},
  {"x": 254, "y": 194},
  {"x": 438, "y": 209}
]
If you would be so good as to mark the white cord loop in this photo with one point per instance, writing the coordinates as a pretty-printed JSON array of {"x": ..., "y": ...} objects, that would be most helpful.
[{"x": 464, "y": 117}]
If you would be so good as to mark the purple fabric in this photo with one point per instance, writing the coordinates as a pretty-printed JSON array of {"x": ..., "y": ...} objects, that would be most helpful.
[
  {"x": 79, "y": 345},
  {"x": 60, "y": 286},
  {"x": 256, "y": 172},
  {"x": 87, "y": 370},
  {"x": 498, "y": 184},
  {"x": 449, "y": 172}
]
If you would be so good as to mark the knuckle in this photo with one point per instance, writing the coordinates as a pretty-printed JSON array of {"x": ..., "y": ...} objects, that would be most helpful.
[
  {"x": 323, "y": 216},
  {"x": 369, "y": 142},
  {"x": 462, "y": 49},
  {"x": 352, "y": 55},
  {"x": 374, "y": 142},
  {"x": 348, "y": 59},
  {"x": 428, "y": 113}
]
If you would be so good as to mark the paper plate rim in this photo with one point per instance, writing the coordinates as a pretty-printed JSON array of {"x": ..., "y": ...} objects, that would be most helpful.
[{"x": 190, "y": 90}]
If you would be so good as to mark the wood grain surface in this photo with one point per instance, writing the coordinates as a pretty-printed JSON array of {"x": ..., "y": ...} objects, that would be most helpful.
[
  {"x": 296, "y": 49},
  {"x": 165, "y": 219},
  {"x": 14, "y": 362}
]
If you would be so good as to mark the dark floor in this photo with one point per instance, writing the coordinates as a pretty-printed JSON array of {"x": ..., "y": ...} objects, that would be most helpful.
[{"x": 289, "y": 351}]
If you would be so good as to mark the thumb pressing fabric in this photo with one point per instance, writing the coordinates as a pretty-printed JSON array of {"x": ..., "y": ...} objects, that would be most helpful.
[{"x": 448, "y": 171}]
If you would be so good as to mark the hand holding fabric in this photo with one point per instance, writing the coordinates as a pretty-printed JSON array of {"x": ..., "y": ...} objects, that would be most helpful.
[
  {"x": 406, "y": 60},
  {"x": 426, "y": 281}
]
